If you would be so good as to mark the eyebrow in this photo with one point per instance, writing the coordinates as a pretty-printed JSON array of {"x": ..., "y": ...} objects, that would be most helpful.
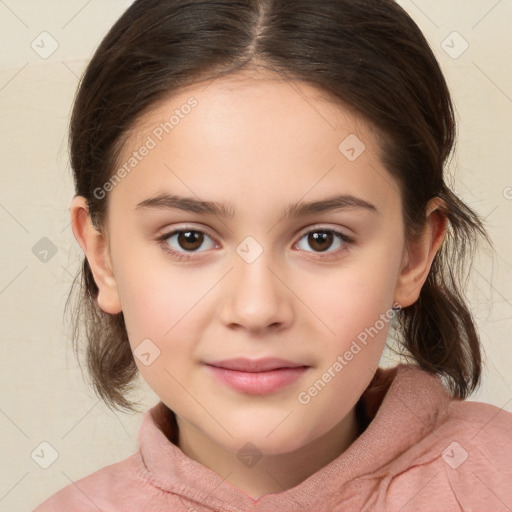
[{"x": 300, "y": 209}]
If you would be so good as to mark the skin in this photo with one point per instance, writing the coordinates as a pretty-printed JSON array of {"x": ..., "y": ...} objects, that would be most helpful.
[{"x": 260, "y": 144}]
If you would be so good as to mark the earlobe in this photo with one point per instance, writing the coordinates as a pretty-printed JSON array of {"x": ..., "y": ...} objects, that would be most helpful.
[
  {"x": 419, "y": 255},
  {"x": 95, "y": 248}
]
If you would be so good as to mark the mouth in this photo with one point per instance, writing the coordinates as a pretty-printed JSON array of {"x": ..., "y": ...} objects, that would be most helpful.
[
  {"x": 266, "y": 364},
  {"x": 257, "y": 377}
]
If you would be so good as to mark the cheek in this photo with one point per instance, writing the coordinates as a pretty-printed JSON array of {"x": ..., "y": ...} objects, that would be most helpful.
[
  {"x": 157, "y": 300},
  {"x": 160, "y": 312},
  {"x": 356, "y": 306},
  {"x": 352, "y": 298},
  {"x": 354, "y": 303}
]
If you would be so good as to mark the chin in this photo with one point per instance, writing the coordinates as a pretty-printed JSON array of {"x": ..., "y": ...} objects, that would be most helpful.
[{"x": 259, "y": 440}]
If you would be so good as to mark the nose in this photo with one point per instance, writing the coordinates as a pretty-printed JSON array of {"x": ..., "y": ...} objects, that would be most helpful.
[{"x": 255, "y": 297}]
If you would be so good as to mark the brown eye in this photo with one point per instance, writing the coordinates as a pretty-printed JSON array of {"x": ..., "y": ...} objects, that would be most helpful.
[
  {"x": 185, "y": 242},
  {"x": 190, "y": 240},
  {"x": 320, "y": 240}
]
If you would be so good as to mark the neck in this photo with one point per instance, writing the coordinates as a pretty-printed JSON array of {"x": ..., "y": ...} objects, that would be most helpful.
[{"x": 272, "y": 473}]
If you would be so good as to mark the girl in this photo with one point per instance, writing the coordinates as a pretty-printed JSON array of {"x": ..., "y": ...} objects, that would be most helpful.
[{"x": 260, "y": 197}]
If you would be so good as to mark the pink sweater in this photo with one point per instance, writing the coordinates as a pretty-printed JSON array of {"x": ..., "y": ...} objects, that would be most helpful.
[{"x": 421, "y": 451}]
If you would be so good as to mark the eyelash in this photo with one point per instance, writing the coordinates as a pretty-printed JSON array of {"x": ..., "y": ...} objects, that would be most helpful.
[{"x": 180, "y": 256}]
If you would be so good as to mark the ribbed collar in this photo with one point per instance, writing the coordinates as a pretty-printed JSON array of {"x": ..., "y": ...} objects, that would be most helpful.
[{"x": 401, "y": 405}]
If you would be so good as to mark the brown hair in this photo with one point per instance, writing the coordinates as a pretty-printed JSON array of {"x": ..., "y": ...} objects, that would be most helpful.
[{"x": 368, "y": 54}]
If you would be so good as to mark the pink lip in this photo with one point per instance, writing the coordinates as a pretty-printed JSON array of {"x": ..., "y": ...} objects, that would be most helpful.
[
  {"x": 257, "y": 377},
  {"x": 255, "y": 365}
]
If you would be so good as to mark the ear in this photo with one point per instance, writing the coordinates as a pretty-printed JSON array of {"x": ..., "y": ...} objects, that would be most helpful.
[
  {"x": 94, "y": 245},
  {"x": 418, "y": 256}
]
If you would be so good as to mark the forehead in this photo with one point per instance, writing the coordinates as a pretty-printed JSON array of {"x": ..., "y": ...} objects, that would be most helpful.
[
  {"x": 252, "y": 133},
  {"x": 252, "y": 100}
]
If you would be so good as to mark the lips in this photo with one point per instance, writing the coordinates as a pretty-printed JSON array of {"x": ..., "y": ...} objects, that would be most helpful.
[
  {"x": 255, "y": 365},
  {"x": 257, "y": 377}
]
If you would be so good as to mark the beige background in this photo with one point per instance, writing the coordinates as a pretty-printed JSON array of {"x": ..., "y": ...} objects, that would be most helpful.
[{"x": 42, "y": 395}]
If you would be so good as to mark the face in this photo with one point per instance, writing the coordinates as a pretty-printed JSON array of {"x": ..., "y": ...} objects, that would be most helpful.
[{"x": 263, "y": 276}]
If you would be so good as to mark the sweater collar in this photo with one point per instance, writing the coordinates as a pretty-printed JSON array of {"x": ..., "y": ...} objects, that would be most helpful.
[{"x": 400, "y": 405}]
